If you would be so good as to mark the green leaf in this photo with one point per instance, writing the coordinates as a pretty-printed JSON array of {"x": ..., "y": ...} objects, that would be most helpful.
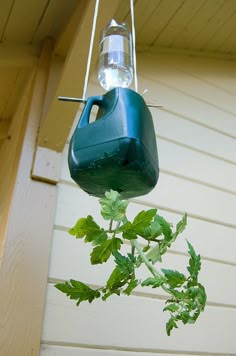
[
  {"x": 172, "y": 307},
  {"x": 131, "y": 286},
  {"x": 117, "y": 279},
  {"x": 155, "y": 282},
  {"x": 154, "y": 254},
  {"x": 174, "y": 278},
  {"x": 101, "y": 253},
  {"x": 113, "y": 208},
  {"x": 78, "y": 291},
  {"x": 87, "y": 227},
  {"x": 146, "y": 248},
  {"x": 194, "y": 263},
  {"x": 126, "y": 264},
  {"x": 143, "y": 219},
  {"x": 128, "y": 232},
  {"x": 180, "y": 226},
  {"x": 137, "y": 227},
  {"x": 165, "y": 226},
  {"x": 170, "y": 325}
]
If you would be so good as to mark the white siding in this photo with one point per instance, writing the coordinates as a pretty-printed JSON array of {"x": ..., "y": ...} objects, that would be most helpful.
[{"x": 196, "y": 130}]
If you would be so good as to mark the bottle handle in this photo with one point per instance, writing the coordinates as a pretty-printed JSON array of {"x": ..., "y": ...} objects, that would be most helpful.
[{"x": 84, "y": 119}]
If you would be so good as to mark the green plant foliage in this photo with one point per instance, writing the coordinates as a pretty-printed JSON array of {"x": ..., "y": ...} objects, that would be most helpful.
[{"x": 186, "y": 296}]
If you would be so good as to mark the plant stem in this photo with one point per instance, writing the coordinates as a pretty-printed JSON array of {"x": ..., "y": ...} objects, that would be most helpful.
[
  {"x": 110, "y": 225},
  {"x": 152, "y": 269}
]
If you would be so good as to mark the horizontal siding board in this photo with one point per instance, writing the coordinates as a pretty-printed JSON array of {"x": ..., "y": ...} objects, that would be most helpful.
[
  {"x": 71, "y": 259},
  {"x": 193, "y": 198},
  {"x": 196, "y": 166},
  {"x": 123, "y": 322},
  {"x": 187, "y": 163},
  {"x": 183, "y": 131},
  {"x": 193, "y": 135},
  {"x": 188, "y": 106},
  {"x": 209, "y": 239},
  {"x": 196, "y": 199},
  {"x": 55, "y": 350},
  {"x": 218, "y": 73},
  {"x": 190, "y": 85}
]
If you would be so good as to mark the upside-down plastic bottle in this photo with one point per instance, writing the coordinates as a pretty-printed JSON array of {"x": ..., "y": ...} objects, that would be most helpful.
[{"x": 115, "y": 58}]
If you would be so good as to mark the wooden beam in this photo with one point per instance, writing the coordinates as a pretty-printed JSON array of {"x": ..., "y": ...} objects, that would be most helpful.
[
  {"x": 4, "y": 128},
  {"x": 46, "y": 165},
  {"x": 65, "y": 39},
  {"x": 60, "y": 115},
  {"x": 15, "y": 55},
  {"x": 24, "y": 267}
]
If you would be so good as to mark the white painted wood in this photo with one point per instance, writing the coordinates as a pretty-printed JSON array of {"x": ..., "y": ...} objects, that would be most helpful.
[
  {"x": 17, "y": 55},
  {"x": 72, "y": 77},
  {"x": 198, "y": 200},
  {"x": 195, "y": 166},
  {"x": 23, "y": 20},
  {"x": 218, "y": 25},
  {"x": 50, "y": 350},
  {"x": 143, "y": 12},
  {"x": 184, "y": 105},
  {"x": 158, "y": 20},
  {"x": 54, "y": 19},
  {"x": 178, "y": 23},
  {"x": 219, "y": 73},
  {"x": 4, "y": 13},
  {"x": 15, "y": 94},
  {"x": 46, "y": 165},
  {"x": 199, "y": 21},
  {"x": 219, "y": 41},
  {"x": 208, "y": 238},
  {"x": 193, "y": 135},
  {"x": 134, "y": 322},
  {"x": 4, "y": 128},
  {"x": 23, "y": 273},
  {"x": 182, "y": 161},
  {"x": 186, "y": 83},
  {"x": 228, "y": 45},
  {"x": 178, "y": 128},
  {"x": 71, "y": 259}
]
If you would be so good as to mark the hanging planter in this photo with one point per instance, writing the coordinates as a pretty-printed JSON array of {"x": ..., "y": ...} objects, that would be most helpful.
[
  {"x": 115, "y": 157},
  {"x": 118, "y": 150}
]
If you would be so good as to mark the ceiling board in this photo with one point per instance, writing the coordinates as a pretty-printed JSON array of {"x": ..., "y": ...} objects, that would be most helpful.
[
  {"x": 54, "y": 19},
  {"x": 200, "y": 19},
  {"x": 215, "y": 25},
  {"x": 179, "y": 22},
  {"x": 158, "y": 20},
  {"x": 142, "y": 13},
  {"x": 24, "y": 19},
  {"x": 222, "y": 40},
  {"x": 229, "y": 44},
  {"x": 5, "y": 11}
]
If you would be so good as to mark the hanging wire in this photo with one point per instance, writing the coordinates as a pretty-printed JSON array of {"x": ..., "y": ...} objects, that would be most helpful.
[
  {"x": 95, "y": 16},
  {"x": 134, "y": 45}
]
